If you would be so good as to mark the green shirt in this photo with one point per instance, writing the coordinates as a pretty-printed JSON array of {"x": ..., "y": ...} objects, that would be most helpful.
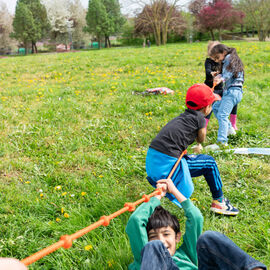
[{"x": 185, "y": 256}]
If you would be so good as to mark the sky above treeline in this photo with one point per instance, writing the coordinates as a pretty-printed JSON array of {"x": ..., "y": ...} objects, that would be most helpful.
[{"x": 127, "y": 6}]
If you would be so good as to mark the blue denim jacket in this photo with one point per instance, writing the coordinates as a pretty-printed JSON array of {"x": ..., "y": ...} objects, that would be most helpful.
[{"x": 228, "y": 77}]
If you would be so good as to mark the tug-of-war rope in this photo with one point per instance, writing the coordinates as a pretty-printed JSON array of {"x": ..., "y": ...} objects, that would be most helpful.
[{"x": 66, "y": 240}]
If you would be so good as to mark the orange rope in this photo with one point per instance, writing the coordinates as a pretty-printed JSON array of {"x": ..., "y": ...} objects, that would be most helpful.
[
  {"x": 66, "y": 240},
  {"x": 214, "y": 85},
  {"x": 176, "y": 164}
]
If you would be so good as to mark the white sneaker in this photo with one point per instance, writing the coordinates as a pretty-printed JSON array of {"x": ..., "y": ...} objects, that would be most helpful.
[
  {"x": 197, "y": 148},
  {"x": 231, "y": 131},
  {"x": 212, "y": 147}
]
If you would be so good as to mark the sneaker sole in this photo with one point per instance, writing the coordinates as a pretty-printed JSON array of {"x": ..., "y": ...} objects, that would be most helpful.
[{"x": 224, "y": 212}]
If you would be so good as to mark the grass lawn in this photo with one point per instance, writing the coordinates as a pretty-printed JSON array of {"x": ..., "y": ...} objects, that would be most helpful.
[{"x": 74, "y": 139}]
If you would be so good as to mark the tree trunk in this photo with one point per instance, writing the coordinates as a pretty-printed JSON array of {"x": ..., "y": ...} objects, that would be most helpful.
[
  {"x": 157, "y": 36},
  {"x": 25, "y": 47},
  {"x": 212, "y": 35},
  {"x": 107, "y": 42},
  {"x": 165, "y": 33},
  {"x": 164, "y": 37},
  {"x": 34, "y": 47},
  {"x": 261, "y": 35},
  {"x": 242, "y": 30},
  {"x": 219, "y": 35}
]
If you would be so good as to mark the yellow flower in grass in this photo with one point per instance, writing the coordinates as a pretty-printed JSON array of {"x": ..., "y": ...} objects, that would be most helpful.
[
  {"x": 88, "y": 247},
  {"x": 83, "y": 193},
  {"x": 64, "y": 193},
  {"x": 57, "y": 219},
  {"x": 66, "y": 215},
  {"x": 41, "y": 195},
  {"x": 57, "y": 188},
  {"x": 62, "y": 210},
  {"x": 111, "y": 263}
]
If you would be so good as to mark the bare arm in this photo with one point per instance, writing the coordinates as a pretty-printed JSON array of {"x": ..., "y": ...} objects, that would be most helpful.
[
  {"x": 168, "y": 186},
  {"x": 201, "y": 135}
]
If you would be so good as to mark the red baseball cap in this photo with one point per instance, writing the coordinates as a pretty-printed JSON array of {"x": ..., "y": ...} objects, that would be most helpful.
[{"x": 200, "y": 95}]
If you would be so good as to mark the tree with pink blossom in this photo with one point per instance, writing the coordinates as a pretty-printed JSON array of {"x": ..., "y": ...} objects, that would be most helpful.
[{"x": 217, "y": 16}]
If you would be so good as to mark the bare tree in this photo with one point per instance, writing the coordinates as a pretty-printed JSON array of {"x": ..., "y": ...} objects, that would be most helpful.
[
  {"x": 196, "y": 6},
  {"x": 159, "y": 17}
]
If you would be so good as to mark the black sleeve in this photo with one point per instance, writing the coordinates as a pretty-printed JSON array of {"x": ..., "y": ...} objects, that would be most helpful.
[
  {"x": 201, "y": 121},
  {"x": 208, "y": 68}
]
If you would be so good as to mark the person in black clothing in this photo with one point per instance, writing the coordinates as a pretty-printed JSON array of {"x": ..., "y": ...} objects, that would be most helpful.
[
  {"x": 174, "y": 138},
  {"x": 212, "y": 69}
]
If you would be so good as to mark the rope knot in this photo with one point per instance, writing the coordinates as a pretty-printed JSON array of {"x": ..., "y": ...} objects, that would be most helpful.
[
  {"x": 67, "y": 241},
  {"x": 106, "y": 220},
  {"x": 146, "y": 198},
  {"x": 131, "y": 206}
]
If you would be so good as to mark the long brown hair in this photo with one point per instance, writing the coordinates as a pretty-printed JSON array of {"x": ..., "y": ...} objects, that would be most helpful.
[{"x": 235, "y": 65}]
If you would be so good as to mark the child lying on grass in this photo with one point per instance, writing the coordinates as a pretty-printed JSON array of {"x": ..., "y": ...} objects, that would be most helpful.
[{"x": 154, "y": 233}]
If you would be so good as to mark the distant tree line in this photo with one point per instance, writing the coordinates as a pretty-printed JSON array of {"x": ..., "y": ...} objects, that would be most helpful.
[
  {"x": 61, "y": 21},
  {"x": 68, "y": 22}
]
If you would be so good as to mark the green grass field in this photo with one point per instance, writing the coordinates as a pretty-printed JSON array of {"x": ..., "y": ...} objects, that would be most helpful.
[{"x": 74, "y": 140}]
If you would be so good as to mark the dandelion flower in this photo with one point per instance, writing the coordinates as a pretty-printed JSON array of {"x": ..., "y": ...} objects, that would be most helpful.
[
  {"x": 58, "y": 188},
  {"x": 88, "y": 247},
  {"x": 111, "y": 263},
  {"x": 58, "y": 219},
  {"x": 66, "y": 215},
  {"x": 83, "y": 193}
]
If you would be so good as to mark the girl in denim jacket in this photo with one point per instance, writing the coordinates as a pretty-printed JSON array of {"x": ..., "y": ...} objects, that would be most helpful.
[{"x": 232, "y": 77}]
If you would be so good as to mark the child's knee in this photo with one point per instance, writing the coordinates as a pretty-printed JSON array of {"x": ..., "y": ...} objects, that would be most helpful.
[
  {"x": 154, "y": 244},
  {"x": 207, "y": 239},
  {"x": 222, "y": 115}
]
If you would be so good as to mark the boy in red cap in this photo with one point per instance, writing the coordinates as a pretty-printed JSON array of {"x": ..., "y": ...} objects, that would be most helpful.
[{"x": 174, "y": 138}]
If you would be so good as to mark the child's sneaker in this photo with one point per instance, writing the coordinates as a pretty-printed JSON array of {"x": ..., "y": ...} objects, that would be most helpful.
[
  {"x": 224, "y": 208},
  {"x": 231, "y": 131},
  {"x": 212, "y": 147}
]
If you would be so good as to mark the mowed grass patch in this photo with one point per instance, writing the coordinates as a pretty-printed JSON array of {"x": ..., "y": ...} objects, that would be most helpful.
[{"x": 74, "y": 139}]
